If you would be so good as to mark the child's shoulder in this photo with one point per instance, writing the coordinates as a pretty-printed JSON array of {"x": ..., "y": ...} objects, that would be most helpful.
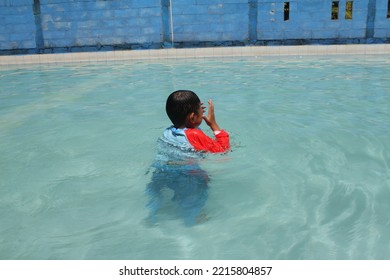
[
  {"x": 194, "y": 130},
  {"x": 195, "y": 133}
]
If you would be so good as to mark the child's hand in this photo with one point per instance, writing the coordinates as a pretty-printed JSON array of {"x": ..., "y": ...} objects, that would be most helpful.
[{"x": 210, "y": 119}]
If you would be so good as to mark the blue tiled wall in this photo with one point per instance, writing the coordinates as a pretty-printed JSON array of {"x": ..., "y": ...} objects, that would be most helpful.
[
  {"x": 382, "y": 24},
  {"x": 88, "y": 23},
  {"x": 210, "y": 20},
  {"x": 17, "y": 25},
  {"x": 69, "y": 25},
  {"x": 310, "y": 20}
]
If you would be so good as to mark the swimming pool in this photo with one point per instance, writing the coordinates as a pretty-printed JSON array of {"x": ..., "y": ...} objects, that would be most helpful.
[{"x": 308, "y": 176}]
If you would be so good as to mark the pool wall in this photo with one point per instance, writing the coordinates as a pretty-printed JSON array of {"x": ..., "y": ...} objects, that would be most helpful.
[{"x": 58, "y": 26}]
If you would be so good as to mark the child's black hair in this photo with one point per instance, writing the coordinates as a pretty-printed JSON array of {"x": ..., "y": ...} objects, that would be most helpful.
[{"x": 179, "y": 104}]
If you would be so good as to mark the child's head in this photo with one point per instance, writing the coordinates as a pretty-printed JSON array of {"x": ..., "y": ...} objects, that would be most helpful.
[{"x": 184, "y": 109}]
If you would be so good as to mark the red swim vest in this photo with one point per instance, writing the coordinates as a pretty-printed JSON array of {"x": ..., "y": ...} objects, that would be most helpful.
[{"x": 201, "y": 142}]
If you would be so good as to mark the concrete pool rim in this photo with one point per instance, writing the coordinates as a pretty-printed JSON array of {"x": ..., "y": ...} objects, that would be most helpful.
[{"x": 212, "y": 52}]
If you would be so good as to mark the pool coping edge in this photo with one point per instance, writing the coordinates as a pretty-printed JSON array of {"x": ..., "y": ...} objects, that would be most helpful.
[{"x": 247, "y": 51}]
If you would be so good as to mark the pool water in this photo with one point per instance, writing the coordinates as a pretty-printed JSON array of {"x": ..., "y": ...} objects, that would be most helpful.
[{"x": 308, "y": 176}]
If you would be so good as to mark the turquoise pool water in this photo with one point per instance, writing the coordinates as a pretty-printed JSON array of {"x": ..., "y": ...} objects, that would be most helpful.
[{"x": 308, "y": 176}]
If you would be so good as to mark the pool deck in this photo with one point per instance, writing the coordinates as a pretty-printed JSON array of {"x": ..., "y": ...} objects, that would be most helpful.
[{"x": 248, "y": 51}]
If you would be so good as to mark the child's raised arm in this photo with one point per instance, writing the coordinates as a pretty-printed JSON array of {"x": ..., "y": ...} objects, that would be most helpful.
[
  {"x": 210, "y": 119},
  {"x": 201, "y": 142}
]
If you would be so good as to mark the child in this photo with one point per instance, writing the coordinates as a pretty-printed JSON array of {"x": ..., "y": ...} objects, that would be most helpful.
[
  {"x": 181, "y": 145},
  {"x": 185, "y": 111}
]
